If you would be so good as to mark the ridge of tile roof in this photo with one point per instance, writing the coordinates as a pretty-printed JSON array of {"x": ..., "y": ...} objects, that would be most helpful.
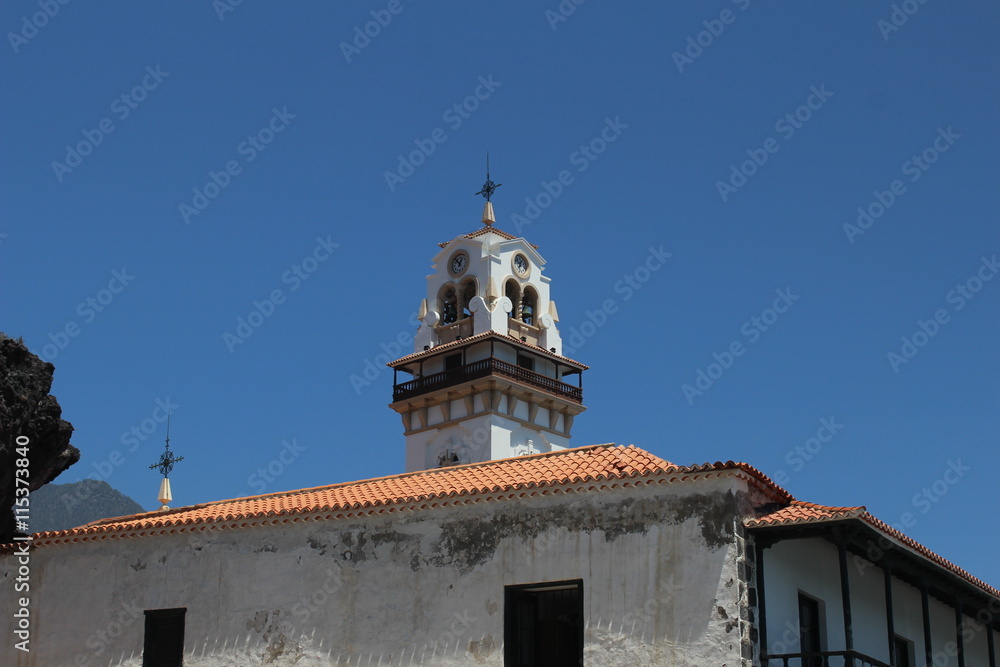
[
  {"x": 478, "y": 337},
  {"x": 592, "y": 463},
  {"x": 513, "y": 476},
  {"x": 568, "y": 466},
  {"x": 799, "y": 513},
  {"x": 486, "y": 229}
]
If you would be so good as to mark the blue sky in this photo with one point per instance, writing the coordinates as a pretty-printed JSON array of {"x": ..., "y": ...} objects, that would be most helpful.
[{"x": 165, "y": 167}]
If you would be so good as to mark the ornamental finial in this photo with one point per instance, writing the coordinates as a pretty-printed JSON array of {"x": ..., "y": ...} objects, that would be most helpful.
[
  {"x": 165, "y": 465},
  {"x": 489, "y": 186}
]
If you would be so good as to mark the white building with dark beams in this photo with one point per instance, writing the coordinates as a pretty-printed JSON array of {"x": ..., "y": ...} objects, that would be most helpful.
[
  {"x": 835, "y": 585},
  {"x": 501, "y": 544}
]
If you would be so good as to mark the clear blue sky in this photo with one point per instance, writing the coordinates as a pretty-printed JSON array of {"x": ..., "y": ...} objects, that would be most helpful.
[{"x": 832, "y": 104}]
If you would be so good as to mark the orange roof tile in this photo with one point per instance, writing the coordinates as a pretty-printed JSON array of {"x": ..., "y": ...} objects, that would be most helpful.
[
  {"x": 584, "y": 464},
  {"x": 798, "y": 513},
  {"x": 484, "y": 336},
  {"x": 519, "y": 476}
]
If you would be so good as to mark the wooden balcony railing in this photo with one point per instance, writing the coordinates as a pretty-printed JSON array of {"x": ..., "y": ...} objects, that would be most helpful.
[
  {"x": 822, "y": 659},
  {"x": 481, "y": 369}
]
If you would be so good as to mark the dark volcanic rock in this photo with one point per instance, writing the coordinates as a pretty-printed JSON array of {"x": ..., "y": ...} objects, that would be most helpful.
[{"x": 27, "y": 409}]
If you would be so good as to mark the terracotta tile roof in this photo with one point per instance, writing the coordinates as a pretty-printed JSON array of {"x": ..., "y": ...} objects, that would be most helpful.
[
  {"x": 515, "y": 477},
  {"x": 798, "y": 513},
  {"x": 484, "y": 336},
  {"x": 486, "y": 230},
  {"x": 489, "y": 481}
]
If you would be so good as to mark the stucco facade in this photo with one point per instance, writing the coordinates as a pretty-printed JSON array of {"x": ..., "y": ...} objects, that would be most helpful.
[{"x": 661, "y": 561}]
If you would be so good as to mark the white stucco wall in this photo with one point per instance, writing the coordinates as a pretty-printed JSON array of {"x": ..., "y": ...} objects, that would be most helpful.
[
  {"x": 907, "y": 618},
  {"x": 660, "y": 566},
  {"x": 811, "y": 565},
  {"x": 484, "y": 437}
]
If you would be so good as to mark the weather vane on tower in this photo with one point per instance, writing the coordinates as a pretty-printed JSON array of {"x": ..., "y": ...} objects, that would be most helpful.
[
  {"x": 165, "y": 465},
  {"x": 489, "y": 186}
]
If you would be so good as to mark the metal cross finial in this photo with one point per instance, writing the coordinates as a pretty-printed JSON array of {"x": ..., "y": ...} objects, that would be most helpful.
[
  {"x": 167, "y": 460},
  {"x": 489, "y": 186}
]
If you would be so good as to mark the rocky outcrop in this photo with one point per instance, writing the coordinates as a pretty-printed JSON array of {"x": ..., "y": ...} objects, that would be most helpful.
[{"x": 27, "y": 409}]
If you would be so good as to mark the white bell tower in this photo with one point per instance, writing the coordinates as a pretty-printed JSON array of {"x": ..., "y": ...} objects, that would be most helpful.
[{"x": 487, "y": 379}]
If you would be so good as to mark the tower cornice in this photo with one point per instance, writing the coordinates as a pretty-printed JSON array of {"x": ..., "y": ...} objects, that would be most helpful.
[{"x": 472, "y": 340}]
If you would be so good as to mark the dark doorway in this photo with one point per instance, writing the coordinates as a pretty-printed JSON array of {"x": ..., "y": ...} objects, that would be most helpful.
[
  {"x": 543, "y": 625},
  {"x": 164, "y": 639},
  {"x": 809, "y": 630}
]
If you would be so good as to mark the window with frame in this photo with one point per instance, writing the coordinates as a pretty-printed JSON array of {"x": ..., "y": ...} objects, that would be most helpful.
[
  {"x": 543, "y": 625},
  {"x": 903, "y": 650},
  {"x": 526, "y": 362},
  {"x": 163, "y": 644},
  {"x": 452, "y": 361}
]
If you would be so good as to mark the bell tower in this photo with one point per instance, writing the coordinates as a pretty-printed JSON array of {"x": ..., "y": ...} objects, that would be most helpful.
[{"x": 487, "y": 379}]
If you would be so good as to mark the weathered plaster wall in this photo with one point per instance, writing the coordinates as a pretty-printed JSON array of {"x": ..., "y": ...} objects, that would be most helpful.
[{"x": 660, "y": 566}]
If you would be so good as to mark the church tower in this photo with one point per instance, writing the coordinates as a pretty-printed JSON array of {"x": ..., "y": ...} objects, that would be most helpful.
[{"x": 487, "y": 379}]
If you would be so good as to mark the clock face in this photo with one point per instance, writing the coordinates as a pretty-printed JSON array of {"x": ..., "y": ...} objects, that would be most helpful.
[
  {"x": 459, "y": 263},
  {"x": 521, "y": 264}
]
